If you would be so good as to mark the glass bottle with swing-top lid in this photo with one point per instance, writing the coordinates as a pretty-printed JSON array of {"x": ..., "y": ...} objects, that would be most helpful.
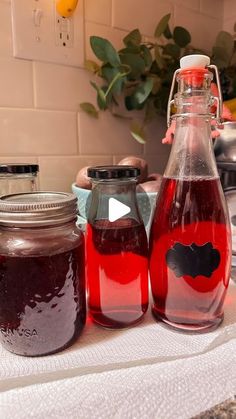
[{"x": 190, "y": 243}]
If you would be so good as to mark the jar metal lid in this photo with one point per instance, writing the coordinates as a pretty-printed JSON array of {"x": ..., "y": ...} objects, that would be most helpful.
[
  {"x": 18, "y": 168},
  {"x": 37, "y": 208},
  {"x": 113, "y": 172}
]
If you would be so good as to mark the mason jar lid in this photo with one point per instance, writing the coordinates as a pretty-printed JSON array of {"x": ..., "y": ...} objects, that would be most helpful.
[
  {"x": 18, "y": 168},
  {"x": 37, "y": 209},
  {"x": 113, "y": 172}
]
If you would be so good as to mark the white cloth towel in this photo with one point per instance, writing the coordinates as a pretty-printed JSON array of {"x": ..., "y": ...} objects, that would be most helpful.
[{"x": 148, "y": 371}]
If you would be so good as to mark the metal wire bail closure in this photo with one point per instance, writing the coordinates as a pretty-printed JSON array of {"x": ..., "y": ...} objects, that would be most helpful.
[{"x": 218, "y": 100}]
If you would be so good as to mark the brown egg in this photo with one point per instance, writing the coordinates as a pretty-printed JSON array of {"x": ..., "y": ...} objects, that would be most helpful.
[
  {"x": 137, "y": 162},
  {"x": 82, "y": 180}
]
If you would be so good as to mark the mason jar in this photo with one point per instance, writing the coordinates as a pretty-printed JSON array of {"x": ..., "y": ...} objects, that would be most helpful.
[
  {"x": 18, "y": 178},
  {"x": 42, "y": 282}
]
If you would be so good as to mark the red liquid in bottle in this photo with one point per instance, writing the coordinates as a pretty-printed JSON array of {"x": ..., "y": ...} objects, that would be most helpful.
[
  {"x": 42, "y": 301},
  {"x": 117, "y": 272},
  {"x": 188, "y": 286}
]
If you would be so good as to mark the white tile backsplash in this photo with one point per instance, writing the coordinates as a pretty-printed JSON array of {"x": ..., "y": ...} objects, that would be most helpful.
[
  {"x": 31, "y": 132},
  {"x": 229, "y": 24},
  {"x": 157, "y": 162},
  {"x": 68, "y": 87},
  {"x": 19, "y": 159},
  {"x": 58, "y": 173},
  {"x": 155, "y": 132},
  {"x": 147, "y": 14},
  {"x": 97, "y": 137},
  {"x": 5, "y": 30},
  {"x": 39, "y": 102},
  {"x": 229, "y": 9},
  {"x": 16, "y": 83},
  {"x": 98, "y": 11},
  {"x": 189, "y": 4},
  {"x": 208, "y": 6}
]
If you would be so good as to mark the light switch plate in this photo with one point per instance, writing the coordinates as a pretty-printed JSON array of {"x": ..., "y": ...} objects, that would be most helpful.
[{"x": 40, "y": 34}]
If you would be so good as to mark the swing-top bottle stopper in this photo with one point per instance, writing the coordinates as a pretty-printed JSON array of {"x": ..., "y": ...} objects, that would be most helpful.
[{"x": 188, "y": 65}]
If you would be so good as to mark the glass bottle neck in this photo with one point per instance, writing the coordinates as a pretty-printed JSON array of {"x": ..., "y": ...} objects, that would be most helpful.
[
  {"x": 194, "y": 102},
  {"x": 194, "y": 91},
  {"x": 123, "y": 191},
  {"x": 192, "y": 155},
  {"x": 114, "y": 186}
]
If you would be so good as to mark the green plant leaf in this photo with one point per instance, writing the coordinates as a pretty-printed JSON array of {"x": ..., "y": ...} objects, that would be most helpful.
[
  {"x": 131, "y": 49},
  {"x": 181, "y": 36},
  {"x": 158, "y": 57},
  {"x": 103, "y": 99},
  {"x": 104, "y": 50},
  {"x": 225, "y": 41},
  {"x": 142, "y": 72},
  {"x": 133, "y": 38},
  {"x": 135, "y": 63},
  {"x": 89, "y": 108},
  {"x": 167, "y": 33},
  {"x": 138, "y": 132},
  {"x": 147, "y": 56},
  {"x": 92, "y": 66},
  {"x": 173, "y": 50},
  {"x": 101, "y": 95},
  {"x": 143, "y": 90},
  {"x": 109, "y": 73},
  {"x": 131, "y": 103},
  {"x": 162, "y": 25}
]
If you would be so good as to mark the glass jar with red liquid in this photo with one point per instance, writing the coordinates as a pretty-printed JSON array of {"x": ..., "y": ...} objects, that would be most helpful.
[
  {"x": 42, "y": 273},
  {"x": 190, "y": 241},
  {"x": 116, "y": 249}
]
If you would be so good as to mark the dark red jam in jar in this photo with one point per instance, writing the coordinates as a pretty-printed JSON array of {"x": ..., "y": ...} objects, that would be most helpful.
[{"x": 42, "y": 281}]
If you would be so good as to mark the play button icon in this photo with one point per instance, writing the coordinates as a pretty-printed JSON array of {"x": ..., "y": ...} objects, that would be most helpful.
[{"x": 116, "y": 209}]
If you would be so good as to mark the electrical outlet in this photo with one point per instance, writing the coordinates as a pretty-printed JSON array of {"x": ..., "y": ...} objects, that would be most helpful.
[
  {"x": 40, "y": 33},
  {"x": 64, "y": 31}
]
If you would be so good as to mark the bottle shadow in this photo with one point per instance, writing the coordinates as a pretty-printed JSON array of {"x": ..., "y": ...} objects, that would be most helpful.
[{"x": 94, "y": 333}]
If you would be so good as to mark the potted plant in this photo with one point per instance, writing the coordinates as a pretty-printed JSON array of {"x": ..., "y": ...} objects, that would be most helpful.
[{"x": 138, "y": 76}]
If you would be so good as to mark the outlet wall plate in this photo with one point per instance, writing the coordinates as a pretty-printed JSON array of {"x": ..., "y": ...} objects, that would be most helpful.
[
  {"x": 64, "y": 31},
  {"x": 41, "y": 34}
]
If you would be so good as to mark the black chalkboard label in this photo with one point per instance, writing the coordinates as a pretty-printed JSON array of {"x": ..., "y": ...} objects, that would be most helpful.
[{"x": 193, "y": 260}]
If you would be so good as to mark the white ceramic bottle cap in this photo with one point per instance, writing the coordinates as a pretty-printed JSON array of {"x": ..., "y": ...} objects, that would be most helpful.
[{"x": 194, "y": 60}]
